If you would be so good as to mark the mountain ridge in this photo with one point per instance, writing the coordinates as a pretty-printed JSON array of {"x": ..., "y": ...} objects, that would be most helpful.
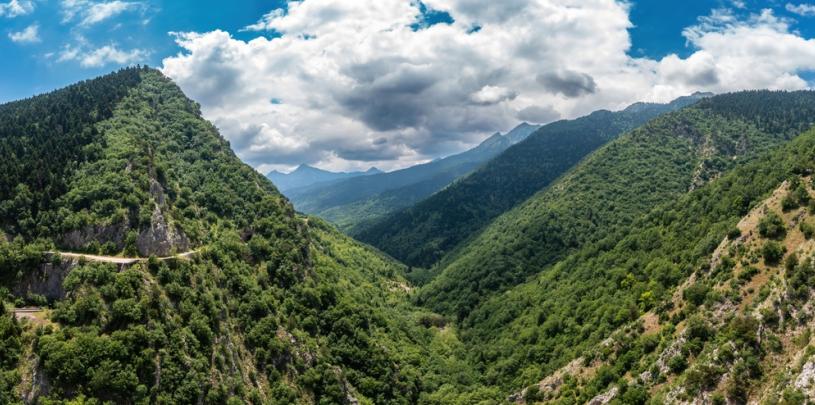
[
  {"x": 350, "y": 201},
  {"x": 305, "y": 175},
  {"x": 275, "y": 308},
  {"x": 421, "y": 235}
]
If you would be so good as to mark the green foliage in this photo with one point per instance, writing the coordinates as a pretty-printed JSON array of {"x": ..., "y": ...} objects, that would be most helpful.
[
  {"x": 363, "y": 199},
  {"x": 807, "y": 229},
  {"x": 789, "y": 203},
  {"x": 43, "y": 140},
  {"x": 772, "y": 226},
  {"x": 598, "y": 199},
  {"x": 422, "y": 234},
  {"x": 772, "y": 252},
  {"x": 696, "y": 293},
  {"x": 10, "y": 351},
  {"x": 275, "y": 308},
  {"x": 591, "y": 293},
  {"x": 734, "y": 233},
  {"x": 677, "y": 364}
]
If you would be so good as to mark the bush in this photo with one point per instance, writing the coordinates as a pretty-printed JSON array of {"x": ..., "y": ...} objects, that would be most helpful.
[
  {"x": 789, "y": 203},
  {"x": 807, "y": 229},
  {"x": 677, "y": 364},
  {"x": 772, "y": 226},
  {"x": 772, "y": 252},
  {"x": 748, "y": 273},
  {"x": 734, "y": 233},
  {"x": 791, "y": 263},
  {"x": 696, "y": 293},
  {"x": 793, "y": 397}
]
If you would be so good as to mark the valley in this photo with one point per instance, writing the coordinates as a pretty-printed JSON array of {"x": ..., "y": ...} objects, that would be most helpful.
[{"x": 666, "y": 258}]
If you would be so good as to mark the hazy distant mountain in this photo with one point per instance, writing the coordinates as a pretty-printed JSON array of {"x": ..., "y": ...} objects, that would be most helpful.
[
  {"x": 306, "y": 175},
  {"x": 420, "y": 235},
  {"x": 350, "y": 201}
]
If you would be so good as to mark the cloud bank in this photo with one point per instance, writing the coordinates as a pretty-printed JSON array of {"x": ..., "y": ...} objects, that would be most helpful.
[{"x": 351, "y": 84}]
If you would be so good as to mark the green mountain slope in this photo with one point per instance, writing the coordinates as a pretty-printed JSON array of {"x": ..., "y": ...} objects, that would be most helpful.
[
  {"x": 350, "y": 202},
  {"x": 270, "y": 307},
  {"x": 422, "y": 234},
  {"x": 689, "y": 303},
  {"x": 653, "y": 164}
]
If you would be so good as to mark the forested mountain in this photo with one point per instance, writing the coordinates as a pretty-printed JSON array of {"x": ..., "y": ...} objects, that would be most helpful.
[
  {"x": 702, "y": 300},
  {"x": 306, "y": 175},
  {"x": 674, "y": 264},
  {"x": 264, "y": 307},
  {"x": 650, "y": 165},
  {"x": 349, "y": 202},
  {"x": 423, "y": 233}
]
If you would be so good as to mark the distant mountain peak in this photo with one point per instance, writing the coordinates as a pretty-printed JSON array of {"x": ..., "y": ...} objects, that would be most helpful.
[
  {"x": 308, "y": 168},
  {"x": 521, "y": 132},
  {"x": 306, "y": 175}
]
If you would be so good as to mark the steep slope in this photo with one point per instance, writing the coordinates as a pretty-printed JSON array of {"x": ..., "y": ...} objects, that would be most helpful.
[
  {"x": 271, "y": 308},
  {"x": 306, "y": 175},
  {"x": 424, "y": 233},
  {"x": 709, "y": 296},
  {"x": 360, "y": 199},
  {"x": 653, "y": 164}
]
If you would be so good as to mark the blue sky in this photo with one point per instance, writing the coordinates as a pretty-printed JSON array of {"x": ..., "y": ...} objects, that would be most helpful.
[
  {"x": 658, "y": 24},
  {"x": 657, "y": 32},
  {"x": 347, "y": 85},
  {"x": 143, "y": 27}
]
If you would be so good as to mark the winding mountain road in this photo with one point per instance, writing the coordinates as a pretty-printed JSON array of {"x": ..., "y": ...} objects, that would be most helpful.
[{"x": 121, "y": 260}]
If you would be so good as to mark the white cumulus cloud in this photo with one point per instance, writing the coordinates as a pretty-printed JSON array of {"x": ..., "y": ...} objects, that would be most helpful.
[
  {"x": 105, "y": 55},
  {"x": 804, "y": 9},
  {"x": 91, "y": 12},
  {"x": 15, "y": 8},
  {"x": 29, "y": 35},
  {"x": 350, "y": 84}
]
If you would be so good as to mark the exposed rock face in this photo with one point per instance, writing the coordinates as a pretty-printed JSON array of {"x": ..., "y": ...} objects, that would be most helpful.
[
  {"x": 161, "y": 238},
  {"x": 35, "y": 383},
  {"x": 604, "y": 398},
  {"x": 46, "y": 280},
  {"x": 80, "y": 238},
  {"x": 806, "y": 380}
]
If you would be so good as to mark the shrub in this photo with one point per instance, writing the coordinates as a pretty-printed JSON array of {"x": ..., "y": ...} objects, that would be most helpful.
[
  {"x": 772, "y": 226},
  {"x": 696, "y": 293},
  {"x": 791, "y": 262},
  {"x": 772, "y": 252},
  {"x": 800, "y": 194},
  {"x": 677, "y": 363},
  {"x": 748, "y": 273},
  {"x": 734, "y": 233},
  {"x": 793, "y": 397},
  {"x": 807, "y": 229},
  {"x": 789, "y": 203}
]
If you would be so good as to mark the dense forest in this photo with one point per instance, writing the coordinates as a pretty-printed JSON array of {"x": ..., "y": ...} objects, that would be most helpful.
[
  {"x": 607, "y": 287},
  {"x": 423, "y": 233},
  {"x": 653, "y": 164},
  {"x": 271, "y": 308},
  {"x": 672, "y": 263}
]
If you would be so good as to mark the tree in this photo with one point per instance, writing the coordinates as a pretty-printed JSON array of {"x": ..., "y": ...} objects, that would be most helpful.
[
  {"x": 772, "y": 226},
  {"x": 773, "y": 252}
]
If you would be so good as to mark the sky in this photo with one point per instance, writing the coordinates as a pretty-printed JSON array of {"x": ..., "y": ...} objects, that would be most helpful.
[{"x": 348, "y": 85}]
